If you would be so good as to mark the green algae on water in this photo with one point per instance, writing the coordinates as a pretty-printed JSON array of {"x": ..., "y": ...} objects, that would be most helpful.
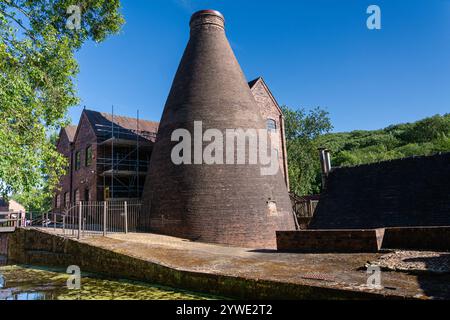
[{"x": 37, "y": 283}]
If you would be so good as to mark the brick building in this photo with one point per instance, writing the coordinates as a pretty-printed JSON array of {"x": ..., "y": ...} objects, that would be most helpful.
[
  {"x": 90, "y": 145},
  {"x": 108, "y": 157}
]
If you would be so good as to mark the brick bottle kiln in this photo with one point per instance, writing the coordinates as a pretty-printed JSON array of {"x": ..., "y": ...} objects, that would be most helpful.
[{"x": 221, "y": 203}]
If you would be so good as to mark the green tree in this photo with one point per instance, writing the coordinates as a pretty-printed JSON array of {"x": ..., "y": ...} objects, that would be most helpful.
[
  {"x": 302, "y": 131},
  {"x": 38, "y": 40}
]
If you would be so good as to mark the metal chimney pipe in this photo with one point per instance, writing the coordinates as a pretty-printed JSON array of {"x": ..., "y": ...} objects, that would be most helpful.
[
  {"x": 323, "y": 165},
  {"x": 327, "y": 160}
]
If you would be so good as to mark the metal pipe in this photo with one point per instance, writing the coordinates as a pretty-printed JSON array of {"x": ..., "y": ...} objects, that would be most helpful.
[
  {"x": 323, "y": 166},
  {"x": 126, "y": 217},
  {"x": 79, "y": 220},
  {"x": 328, "y": 160},
  {"x": 104, "y": 218}
]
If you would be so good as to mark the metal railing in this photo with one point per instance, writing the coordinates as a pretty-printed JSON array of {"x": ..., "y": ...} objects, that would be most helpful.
[
  {"x": 94, "y": 218},
  {"x": 12, "y": 220}
]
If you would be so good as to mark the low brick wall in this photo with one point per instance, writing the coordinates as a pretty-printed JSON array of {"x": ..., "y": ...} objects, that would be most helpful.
[
  {"x": 418, "y": 238},
  {"x": 327, "y": 241},
  {"x": 29, "y": 246}
]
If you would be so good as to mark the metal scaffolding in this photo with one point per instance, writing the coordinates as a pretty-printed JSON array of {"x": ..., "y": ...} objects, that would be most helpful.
[{"x": 120, "y": 151}]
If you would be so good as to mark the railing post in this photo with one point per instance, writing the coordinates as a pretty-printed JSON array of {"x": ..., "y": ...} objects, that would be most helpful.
[
  {"x": 64, "y": 224},
  {"x": 80, "y": 213},
  {"x": 31, "y": 218},
  {"x": 126, "y": 217},
  {"x": 104, "y": 217},
  {"x": 54, "y": 221}
]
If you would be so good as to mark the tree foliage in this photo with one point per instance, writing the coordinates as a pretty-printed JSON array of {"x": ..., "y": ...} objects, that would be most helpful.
[
  {"x": 424, "y": 137},
  {"x": 37, "y": 72},
  {"x": 305, "y": 133},
  {"x": 302, "y": 130}
]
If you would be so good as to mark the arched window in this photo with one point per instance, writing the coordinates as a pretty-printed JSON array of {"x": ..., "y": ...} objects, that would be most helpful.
[{"x": 271, "y": 125}]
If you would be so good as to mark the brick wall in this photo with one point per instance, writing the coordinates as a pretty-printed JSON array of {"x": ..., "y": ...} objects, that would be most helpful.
[
  {"x": 270, "y": 110},
  {"x": 85, "y": 177},
  {"x": 327, "y": 241},
  {"x": 63, "y": 147},
  {"x": 38, "y": 248},
  {"x": 222, "y": 203},
  {"x": 399, "y": 193},
  {"x": 419, "y": 238}
]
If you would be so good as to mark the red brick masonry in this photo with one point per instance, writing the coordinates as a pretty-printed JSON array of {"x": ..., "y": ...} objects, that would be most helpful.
[
  {"x": 326, "y": 241},
  {"x": 418, "y": 238},
  {"x": 369, "y": 240}
]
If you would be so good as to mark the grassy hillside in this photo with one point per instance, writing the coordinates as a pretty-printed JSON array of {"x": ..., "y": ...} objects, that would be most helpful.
[{"x": 424, "y": 137}]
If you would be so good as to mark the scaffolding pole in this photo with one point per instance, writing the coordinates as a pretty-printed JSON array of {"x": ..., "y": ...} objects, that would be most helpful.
[
  {"x": 138, "y": 168},
  {"x": 112, "y": 154}
]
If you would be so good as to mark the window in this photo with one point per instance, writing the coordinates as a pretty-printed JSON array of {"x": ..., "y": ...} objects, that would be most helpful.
[
  {"x": 86, "y": 195},
  {"x": 271, "y": 125},
  {"x": 66, "y": 199},
  {"x": 77, "y": 160},
  {"x": 88, "y": 158},
  {"x": 58, "y": 201},
  {"x": 77, "y": 196}
]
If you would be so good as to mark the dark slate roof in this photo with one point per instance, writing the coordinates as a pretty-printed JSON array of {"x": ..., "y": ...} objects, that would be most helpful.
[
  {"x": 398, "y": 193},
  {"x": 102, "y": 123},
  {"x": 253, "y": 82}
]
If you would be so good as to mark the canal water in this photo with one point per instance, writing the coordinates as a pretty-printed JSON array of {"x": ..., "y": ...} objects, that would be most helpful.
[{"x": 37, "y": 283}]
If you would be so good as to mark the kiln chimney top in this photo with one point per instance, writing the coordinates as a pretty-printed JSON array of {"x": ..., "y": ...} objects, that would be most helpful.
[{"x": 207, "y": 17}]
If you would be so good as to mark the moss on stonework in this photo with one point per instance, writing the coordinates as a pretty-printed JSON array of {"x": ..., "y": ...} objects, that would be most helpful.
[{"x": 36, "y": 283}]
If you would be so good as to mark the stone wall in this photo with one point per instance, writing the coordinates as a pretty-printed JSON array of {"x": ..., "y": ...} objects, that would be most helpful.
[
  {"x": 407, "y": 192},
  {"x": 329, "y": 241}
]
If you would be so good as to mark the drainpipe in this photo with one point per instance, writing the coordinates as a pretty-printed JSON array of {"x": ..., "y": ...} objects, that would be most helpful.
[{"x": 284, "y": 150}]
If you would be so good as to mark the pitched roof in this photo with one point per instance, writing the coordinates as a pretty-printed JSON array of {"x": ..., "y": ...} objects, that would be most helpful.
[
  {"x": 70, "y": 131},
  {"x": 253, "y": 82},
  {"x": 102, "y": 122}
]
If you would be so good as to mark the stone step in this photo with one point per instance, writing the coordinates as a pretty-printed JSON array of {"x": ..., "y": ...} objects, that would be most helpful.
[{"x": 7, "y": 229}]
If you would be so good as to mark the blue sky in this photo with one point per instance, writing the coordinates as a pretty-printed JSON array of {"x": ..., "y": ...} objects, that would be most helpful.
[{"x": 311, "y": 53}]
